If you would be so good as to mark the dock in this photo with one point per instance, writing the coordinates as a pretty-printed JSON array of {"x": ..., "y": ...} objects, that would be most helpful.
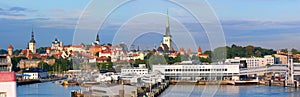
[
  {"x": 26, "y": 82},
  {"x": 224, "y": 82},
  {"x": 154, "y": 91}
]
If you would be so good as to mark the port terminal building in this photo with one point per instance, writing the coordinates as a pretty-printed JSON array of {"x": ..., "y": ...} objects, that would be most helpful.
[{"x": 198, "y": 72}]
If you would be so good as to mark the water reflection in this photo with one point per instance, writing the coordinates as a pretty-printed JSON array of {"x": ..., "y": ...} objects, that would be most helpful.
[
  {"x": 232, "y": 91},
  {"x": 49, "y": 89}
]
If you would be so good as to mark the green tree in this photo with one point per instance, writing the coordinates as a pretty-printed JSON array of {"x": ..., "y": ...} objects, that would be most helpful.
[
  {"x": 284, "y": 50},
  {"x": 185, "y": 57},
  {"x": 219, "y": 54},
  {"x": 62, "y": 65},
  {"x": 194, "y": 57},
  {"x": 15, "y": 61},
  {"x": 177, "y": 58},
  {"x": 295, "y": 51},
  {"x": 3, "y": 51},
  {"x": 105, "y": 65},
  {"x": 209, "y": 53},
  {"x": 258, "y": 53},
  {"x": 41, "y": 50},
  {"x": 45, "y": 66},
  {"x": 167, "y": 58},
  {"x": 97, "y": 54},
  {"x": 205, "y": 60},
  {"x": 249, "y": 50},
  {"x": 156, "y": 59},
  {"x": 17, "y": 52},
  {"x": 139, "y": 61}
]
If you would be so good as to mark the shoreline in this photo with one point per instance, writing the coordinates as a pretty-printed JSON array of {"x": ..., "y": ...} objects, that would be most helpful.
[
  {"x": 235, "y": 83},
  {"x": 27, "y": 82}
]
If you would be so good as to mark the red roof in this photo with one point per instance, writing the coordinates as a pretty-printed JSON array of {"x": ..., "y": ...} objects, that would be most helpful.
[
  {"x": 48, "y": 48},
  {"x": 189, "y": 50},
  {"x": 199, "y": 49},
  {"x": 7, "y": 77},
  {"x": 206, "y": 55},
  {"x": 10, "y": 46},
  {"x": 135, "y": 54},
  {"x": 181, "y": 49},
  {"x": 23, "y": 52}
]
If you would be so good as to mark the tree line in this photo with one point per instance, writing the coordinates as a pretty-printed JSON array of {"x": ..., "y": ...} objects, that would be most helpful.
[{"x": 240, "y": 51}]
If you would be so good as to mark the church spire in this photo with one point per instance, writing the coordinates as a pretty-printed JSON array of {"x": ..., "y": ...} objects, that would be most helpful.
[
  {"x": 167, "y": 25},
  {"x": 97, "y": 42},
  {"x": 97, "y": 37},
  {"x": 32, "y": 37},
  {"x": 167, "y": 37}
]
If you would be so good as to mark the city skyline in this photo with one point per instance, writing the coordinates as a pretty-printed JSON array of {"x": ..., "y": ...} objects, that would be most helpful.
[{"x": 264, "y": 24}]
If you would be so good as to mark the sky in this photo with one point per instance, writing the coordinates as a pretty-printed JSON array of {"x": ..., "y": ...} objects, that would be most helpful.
[{"x": 267, "y": 23}]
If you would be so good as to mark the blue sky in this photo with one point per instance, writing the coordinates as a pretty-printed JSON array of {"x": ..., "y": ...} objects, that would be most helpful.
[{"x": 267, "y": 23}]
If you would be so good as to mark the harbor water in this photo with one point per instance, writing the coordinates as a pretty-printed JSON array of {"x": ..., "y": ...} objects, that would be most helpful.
[
  {"x": 46, "y": 89},
  {"x": 230, "y": 91},
  {"x": 49, "y": 89}
]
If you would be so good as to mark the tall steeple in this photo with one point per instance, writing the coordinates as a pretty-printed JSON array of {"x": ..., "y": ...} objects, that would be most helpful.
[
  {"x": 167, "y": 25},
  {"x": 97, "y": 37},
  {"x": 167, "y": 39},
  {"x": 32, "y": 37},
  {"x": 97, "y": 42}
]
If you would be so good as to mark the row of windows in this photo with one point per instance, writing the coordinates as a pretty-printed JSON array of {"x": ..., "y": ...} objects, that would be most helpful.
[
  {"x": 3, "y": 60},
  {"x": 135, "y": 70},
  {"x": 169, "y": 70},
  {"x": 142, "y": 73}
]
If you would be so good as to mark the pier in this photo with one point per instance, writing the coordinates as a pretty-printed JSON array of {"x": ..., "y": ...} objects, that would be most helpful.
[{"x": 153, "y": 90}]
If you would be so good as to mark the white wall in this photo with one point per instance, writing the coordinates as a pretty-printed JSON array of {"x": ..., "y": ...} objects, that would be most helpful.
[
  {"x": 9, "y": 88},
  {"x": 230, "y": 68},
  {"x": 134, "y": 71}
]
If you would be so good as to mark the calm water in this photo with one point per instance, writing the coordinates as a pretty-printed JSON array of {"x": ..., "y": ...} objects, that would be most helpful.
[
  {"x": 49, "y": 89},
  {"x": 230, "y": 91}
]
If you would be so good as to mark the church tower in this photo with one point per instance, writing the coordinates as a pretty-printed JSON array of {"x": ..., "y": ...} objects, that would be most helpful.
[
  {"x": 10, "y": 50},
  {"x": 32, "y": 44},
  {"x": 97, "y": 39},
  {"x": 97, "y": 42},
  {"x": 167, "y": 37}
]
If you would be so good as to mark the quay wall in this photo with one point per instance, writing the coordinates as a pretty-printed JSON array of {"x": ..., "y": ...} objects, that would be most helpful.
[{"x": 26, "y": 82}]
